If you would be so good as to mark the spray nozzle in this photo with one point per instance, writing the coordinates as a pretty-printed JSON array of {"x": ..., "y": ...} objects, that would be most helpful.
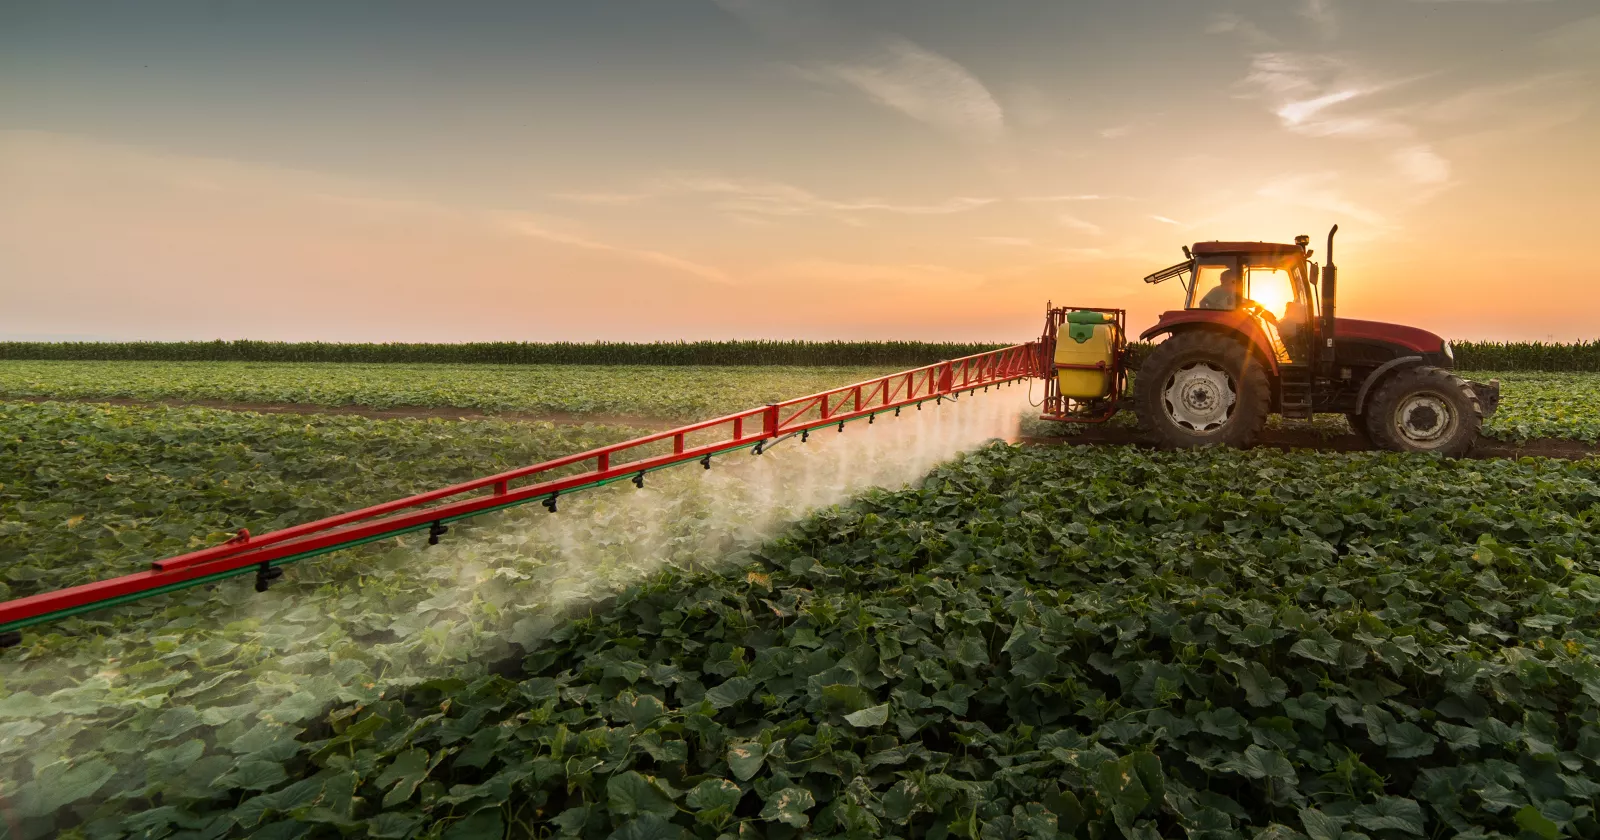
[
  {"x": 638, "y": 480},
  {"x": 265, "y": 575},
  {"x": 550, "y": 503},
  {"x": 706, "y": 462},
  {"x": 435, "y": 531}
]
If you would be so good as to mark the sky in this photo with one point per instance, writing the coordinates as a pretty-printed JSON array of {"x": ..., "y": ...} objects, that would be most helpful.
[{"x": 704, "y": 169}]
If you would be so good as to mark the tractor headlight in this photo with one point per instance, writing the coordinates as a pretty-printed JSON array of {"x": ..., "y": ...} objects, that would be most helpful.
[{"x": 1449, "y": 352}]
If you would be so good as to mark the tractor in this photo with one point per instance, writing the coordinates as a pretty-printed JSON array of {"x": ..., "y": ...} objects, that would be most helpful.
[{"x": 1258, "y": 335}]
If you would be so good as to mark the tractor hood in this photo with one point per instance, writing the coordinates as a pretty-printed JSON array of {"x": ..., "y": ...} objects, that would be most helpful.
[
  {"x": 1407, "y": 340},
  {"x": 1378, "y": 332}
]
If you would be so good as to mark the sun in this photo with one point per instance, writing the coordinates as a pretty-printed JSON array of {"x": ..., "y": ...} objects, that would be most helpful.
[{"x": 1272, "y": 289}]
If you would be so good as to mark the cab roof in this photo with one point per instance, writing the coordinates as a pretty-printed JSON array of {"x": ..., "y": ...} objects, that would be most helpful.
[{"x": 1203, "y": 249}]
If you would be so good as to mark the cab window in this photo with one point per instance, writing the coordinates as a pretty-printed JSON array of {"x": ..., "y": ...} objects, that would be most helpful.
[{"x": 1216, "y": 284}]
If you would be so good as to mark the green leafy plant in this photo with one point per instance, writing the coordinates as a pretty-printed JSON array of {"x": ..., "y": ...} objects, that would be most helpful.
[
  {"x": 665, "y": 393},
  {"x": 1031, "y": 642}
]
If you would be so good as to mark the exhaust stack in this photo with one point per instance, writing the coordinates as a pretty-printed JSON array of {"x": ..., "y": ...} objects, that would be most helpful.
[{"x": 1330, "y": 294}]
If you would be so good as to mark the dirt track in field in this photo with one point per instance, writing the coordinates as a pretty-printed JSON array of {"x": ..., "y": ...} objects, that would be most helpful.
[
  {"x": 1285, "y": 439},
  {"x": 1288, "y": 439}
]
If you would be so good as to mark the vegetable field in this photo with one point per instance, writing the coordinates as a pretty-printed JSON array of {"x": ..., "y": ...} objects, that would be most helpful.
[
  {"x": 1535, "y": 405},
  {"x": 83, "y": 702},
  {"x": 1029, "y": 642},
  {"x": 1023, "y": 642},
  {"x": 94, "y": 491},
  {"x": 669, "y": 393},
  {"x": 1546, "y": 405}
]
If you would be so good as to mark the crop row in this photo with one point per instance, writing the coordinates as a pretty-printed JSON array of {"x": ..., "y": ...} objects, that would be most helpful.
[
  {"x": 1535, "y": 405},
  {"x": 667, "y": 393},
  {"x": 1482, "y": 355},
  {"x": 91, "y": 491},
  {"x": 1029, "y": 641}
]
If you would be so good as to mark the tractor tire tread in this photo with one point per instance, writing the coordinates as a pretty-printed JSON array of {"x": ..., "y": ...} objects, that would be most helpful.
[
  {"x": 1408, "y": 379},
  {"x": 1255, "y": 396}
]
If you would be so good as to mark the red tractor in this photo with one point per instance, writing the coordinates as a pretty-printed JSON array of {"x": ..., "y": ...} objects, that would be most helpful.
[{"x": 1257, "y": 336}]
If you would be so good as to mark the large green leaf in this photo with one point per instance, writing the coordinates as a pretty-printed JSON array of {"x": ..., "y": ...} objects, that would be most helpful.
[
  {"x": 64, "y": 783},
  {"x": 872, "y": 716},
  {"x": 789, "y": 806},
  {"x": 730, "y": 692},
  {"x": 1257, "y": 763},
  {"x": 403, "y": 775},
  {"x": 632, "y": 793},
  {"x": 1391, "y": 813},
  {"x": 746, "y": 759},
  {"x": 714, "y": 793}
]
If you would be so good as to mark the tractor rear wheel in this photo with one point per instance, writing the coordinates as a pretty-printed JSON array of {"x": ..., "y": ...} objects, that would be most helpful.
[
  {"x": 1199, "y": 389},
  {"x": 1425, "y": 409}
]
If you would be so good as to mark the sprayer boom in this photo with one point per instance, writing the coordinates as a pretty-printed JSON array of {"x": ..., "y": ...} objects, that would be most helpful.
[{"x": 756, "y": 429}]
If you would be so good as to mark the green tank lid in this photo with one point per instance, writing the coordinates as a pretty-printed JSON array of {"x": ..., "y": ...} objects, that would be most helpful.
[
  {"x": 1080, "y": 332},
  {"x": 1088, "y": 318}
]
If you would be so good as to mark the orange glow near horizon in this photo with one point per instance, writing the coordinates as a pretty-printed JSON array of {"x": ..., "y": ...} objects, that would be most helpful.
[{"x": 760, "y": 175}]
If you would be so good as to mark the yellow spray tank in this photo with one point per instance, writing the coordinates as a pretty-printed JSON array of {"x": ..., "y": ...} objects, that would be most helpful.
[{"x": 1086, "y": 355}]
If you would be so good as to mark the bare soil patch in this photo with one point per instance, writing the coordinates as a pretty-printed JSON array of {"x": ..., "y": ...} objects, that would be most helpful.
[{"x": 1289, "y": 439}]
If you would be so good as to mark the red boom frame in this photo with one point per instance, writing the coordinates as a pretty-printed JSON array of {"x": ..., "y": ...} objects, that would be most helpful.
[{"x": 756, "y": 427}]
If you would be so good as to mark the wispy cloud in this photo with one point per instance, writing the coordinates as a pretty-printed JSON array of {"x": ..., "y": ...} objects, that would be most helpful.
[
  {"x": 1050, "y": 199},
  {"x": 603, "y": 197},
  {"x": 1319, "y": 191},
  {"x": 1229, "y": 23},
  {"x": 852, "y": 273},
  {"x": 925, "y": 86},
  {"x": 1116, "y": 131},
  {"x": 774, "y": 198},
  {"x": 1420, "y": 164},
  {"x": 525, "y": 226},
  {"x": 1322, "y": 16},
  {"x": 1316, "y": 96},
  {"x": 889, "y": 70},
  {"x": 1168, "y": 221},
  {"x": 1081, "y": 226},
  {"x": 1008, "y": 241}
]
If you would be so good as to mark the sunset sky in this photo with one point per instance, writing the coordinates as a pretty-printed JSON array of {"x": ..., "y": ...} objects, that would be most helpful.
[{"x": 664, "y": 169}]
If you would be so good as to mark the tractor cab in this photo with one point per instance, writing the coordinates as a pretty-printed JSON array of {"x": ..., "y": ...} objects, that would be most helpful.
[{"x": 1271, "y": 285}]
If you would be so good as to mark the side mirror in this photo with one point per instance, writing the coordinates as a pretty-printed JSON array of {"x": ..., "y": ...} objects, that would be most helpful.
[{"x": 1316, "y": 274}]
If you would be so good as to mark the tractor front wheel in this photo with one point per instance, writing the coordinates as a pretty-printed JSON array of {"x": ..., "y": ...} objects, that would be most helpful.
[
  {"x": 1425, "y": 409},
  {"x": 1199, "y": 389}
]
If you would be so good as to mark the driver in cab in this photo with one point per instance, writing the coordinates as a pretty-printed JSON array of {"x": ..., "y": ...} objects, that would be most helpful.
[{"x": 1229, "y": 294}]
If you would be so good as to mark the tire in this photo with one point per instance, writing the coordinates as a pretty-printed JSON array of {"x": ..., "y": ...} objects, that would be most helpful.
[
  {"x": 1425, "y": 409},
  {"x": 1201, "y": 389}
]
